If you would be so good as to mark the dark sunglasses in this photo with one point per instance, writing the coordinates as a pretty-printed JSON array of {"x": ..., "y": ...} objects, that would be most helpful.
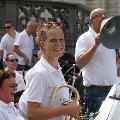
[
  {"x": 13, "y": 60},
  {"x": 8, "y": 27},
  {"x": 13, "y": 85}
]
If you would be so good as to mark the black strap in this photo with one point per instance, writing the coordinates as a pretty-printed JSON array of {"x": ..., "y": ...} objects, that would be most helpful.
[{"x": 1, "y": 65}]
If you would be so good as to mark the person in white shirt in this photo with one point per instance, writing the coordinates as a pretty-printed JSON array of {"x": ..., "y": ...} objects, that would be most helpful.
[
  {"x": 11, "y": 64},
  {"x": 44, "y": 77},
  {"x": 8, "y": 87},
  {"x": 24, "y": 46},
  {"x": 97, "y": 63},
  {"x": 7, "y": 41}
]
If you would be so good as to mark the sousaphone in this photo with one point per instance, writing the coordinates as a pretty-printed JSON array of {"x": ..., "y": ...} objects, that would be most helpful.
[{"x": 110, "y": 33}]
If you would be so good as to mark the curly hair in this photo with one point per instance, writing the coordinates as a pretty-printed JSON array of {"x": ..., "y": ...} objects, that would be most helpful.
[
  {"x": 43, "y": 28},
  {"x": 5, "y": 75}
]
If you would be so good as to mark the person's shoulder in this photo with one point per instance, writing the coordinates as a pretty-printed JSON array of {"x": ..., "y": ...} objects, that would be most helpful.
[
  {"x": 20, "y": 37},
  {"x": 5, "y": 37},
  {"x": 17, "y": 33},
  {"x": 38, "y": 71},
  {"x": 22, "y": 33},
  {"x": 83, "y": 36},
  {"x": 39, "y": 67}
]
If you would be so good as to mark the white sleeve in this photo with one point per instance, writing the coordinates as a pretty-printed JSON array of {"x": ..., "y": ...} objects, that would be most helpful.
[
  {"x": 19, "y": 40},
  {"x": 37, "y": 87},
  {"x": 20, "y": 81},
  {"x": 81, "y": 45},
  {"x": 2, "y": 44}
]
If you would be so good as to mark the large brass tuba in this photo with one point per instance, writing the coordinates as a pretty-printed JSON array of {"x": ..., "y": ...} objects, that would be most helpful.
[
  {"x": 110, "y": 33},
  {"x": 77, "y": 96}
]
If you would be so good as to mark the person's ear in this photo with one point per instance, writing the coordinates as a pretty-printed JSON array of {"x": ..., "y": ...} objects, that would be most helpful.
[
  {"x": 42, "y": 44},
  {"x": 91, "y": 21}
]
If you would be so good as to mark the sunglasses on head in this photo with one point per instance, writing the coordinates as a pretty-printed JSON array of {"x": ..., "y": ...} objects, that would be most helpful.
[
  {"x": 13, "y": 85},
  {"x": 8, "y": 27},
  {"x": 53, "y": 24},
  {"x": 13, "y": 60}
]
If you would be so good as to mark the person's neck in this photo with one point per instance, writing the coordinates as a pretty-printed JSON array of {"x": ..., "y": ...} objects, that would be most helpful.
[
  {"x": 27, "y": 31},
  {"x": 96, "y": 29},
  {"x": 52, "y": 61},
  {"x": 12, "y": 33}
]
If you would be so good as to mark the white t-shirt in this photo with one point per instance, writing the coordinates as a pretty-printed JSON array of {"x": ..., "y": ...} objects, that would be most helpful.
[
  {"x": 20, "y": 81},
  {"x": 26, "y": 45},
  {"x": 41, "y": 80},
  {"x": 7, "y": 43},
  {"x": 9, "y": 112},
  {"x": 101, "y": 70}
]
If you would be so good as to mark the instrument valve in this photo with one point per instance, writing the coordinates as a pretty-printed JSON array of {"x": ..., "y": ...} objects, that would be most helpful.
[{"x": 64, "y": 102}]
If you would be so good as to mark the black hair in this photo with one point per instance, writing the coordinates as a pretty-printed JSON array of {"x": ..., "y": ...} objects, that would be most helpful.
[{"x": 10, "y": 22}]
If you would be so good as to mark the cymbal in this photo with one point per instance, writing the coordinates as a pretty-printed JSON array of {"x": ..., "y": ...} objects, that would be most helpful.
[{"x": 110, "y": 33}]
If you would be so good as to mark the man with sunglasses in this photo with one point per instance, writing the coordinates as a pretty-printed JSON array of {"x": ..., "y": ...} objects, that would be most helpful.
[
  {"x": 11, "y": 63},
  {"x": 7, "y": 41},
  {"x": 97, "y": 63}
]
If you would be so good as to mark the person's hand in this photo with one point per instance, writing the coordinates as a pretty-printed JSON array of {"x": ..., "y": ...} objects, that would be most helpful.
[
  {"x": 73, "y": 109},
  {"x": 97, "y": 39},
  {"x": 26, "y": 60}
]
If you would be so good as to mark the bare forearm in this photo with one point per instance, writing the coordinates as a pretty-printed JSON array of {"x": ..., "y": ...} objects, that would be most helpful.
[
  {"x": 18, "y": 51},
  {"x": 84, "y": 59},
  {"x": 46, "y": 113}
]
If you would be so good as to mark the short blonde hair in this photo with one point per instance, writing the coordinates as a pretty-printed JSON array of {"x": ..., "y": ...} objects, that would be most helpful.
[{"x": 96, "y": 12}]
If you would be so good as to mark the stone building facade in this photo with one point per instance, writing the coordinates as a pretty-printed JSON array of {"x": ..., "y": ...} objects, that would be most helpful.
[
  {"x": 73, "y": 13},
  {"x": 112, "y": 6}
]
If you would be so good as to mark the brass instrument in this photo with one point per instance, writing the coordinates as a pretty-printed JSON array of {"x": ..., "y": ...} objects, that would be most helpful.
[
  {"x": 77, "y": 97},
  {"x": 63, "y": 102}
]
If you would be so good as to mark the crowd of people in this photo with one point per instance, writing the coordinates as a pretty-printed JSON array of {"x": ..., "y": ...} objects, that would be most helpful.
[{"x": 26, "y": 90}]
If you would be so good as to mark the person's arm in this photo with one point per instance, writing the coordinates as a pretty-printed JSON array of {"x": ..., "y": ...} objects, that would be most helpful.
[
  {"x": 36, "y": 112},
  {"x": 85, "y": 58},
  {"x": 20, "y": 53}
]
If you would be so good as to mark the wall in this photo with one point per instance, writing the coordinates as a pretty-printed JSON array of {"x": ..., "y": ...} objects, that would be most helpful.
[{"x": 112, "y": 6}]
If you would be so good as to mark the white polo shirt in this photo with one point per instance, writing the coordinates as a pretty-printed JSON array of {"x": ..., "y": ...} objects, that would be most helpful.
[
  {"x": 41, "y": 80},
  {"x": 101, "y": 70},
  {"x": 26, "y": 45},
  {"x": 20, "y": 81},
  {"x": 9, "y": 112},
  {"x": 7, "y": 43}
]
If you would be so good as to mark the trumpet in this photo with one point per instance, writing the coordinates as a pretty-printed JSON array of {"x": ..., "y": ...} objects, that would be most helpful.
[
  {"x": 77, "y": 96},
  {"x": 63, "y": 102}
]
